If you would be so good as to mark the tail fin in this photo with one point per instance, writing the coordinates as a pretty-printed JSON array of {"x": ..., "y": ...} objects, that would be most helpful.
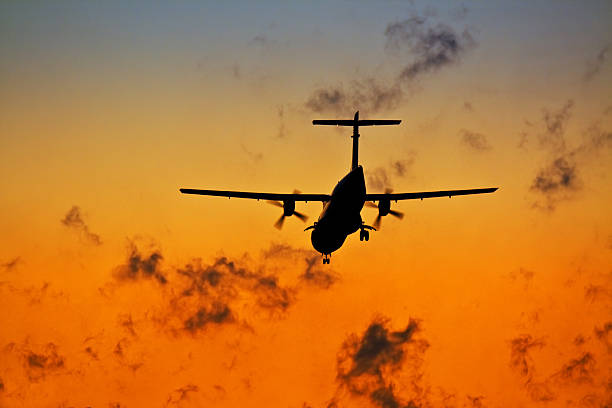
[{"x": 355, "y": 123}]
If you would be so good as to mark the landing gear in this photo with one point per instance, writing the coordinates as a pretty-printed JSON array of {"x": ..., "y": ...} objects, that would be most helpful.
[
  {"x": 364, "y": 235},
  {"x": 326, "y": 258}
]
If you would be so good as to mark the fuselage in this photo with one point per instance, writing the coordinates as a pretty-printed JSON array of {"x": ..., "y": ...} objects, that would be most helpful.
[{"x": 341, "y": 215}]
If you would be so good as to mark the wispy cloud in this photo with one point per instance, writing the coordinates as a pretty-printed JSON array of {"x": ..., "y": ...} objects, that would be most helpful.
[
  {"x": 594, "y": 66},
  {"x": 74, "y": 220},
  {"x": 475, "y": 141},
  {"x": 423, "y": 46},
  {"x": 559, "y": 178}
]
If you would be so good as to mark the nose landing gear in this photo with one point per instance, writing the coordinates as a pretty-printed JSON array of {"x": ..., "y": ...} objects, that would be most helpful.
[
  {"x": 364, "y": 234},
  {"x": 326, "y": 258}
]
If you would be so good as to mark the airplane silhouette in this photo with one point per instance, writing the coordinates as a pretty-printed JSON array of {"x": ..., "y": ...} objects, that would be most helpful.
[{"x": 341, "y": 215}]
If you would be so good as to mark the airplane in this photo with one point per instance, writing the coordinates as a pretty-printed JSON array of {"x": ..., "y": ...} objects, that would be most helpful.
[{"x": 341, "y": 215}]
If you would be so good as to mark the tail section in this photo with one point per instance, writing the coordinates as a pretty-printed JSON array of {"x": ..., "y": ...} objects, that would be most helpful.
[{"x": 355, "y": 123}]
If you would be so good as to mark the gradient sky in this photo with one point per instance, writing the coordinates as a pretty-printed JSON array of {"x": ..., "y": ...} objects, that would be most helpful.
[{"x": 117, "y": 291}]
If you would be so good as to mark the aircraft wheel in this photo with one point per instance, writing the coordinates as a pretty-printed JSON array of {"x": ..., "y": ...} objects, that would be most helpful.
[{"x": 366, "y": 235}]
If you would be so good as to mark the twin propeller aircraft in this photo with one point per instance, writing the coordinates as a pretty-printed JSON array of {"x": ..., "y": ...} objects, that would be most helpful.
[{"x": 341, "y": 215}]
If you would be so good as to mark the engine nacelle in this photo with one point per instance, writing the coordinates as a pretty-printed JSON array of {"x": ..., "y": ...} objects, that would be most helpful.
[
  {"x": 288, "y": 208},
  {"x": 384, "y": 206}
]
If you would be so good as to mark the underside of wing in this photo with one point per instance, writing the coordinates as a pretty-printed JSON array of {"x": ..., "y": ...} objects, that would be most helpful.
[
  {"x": 258, "y": 196},
  {"x": 427, "y": 194}
]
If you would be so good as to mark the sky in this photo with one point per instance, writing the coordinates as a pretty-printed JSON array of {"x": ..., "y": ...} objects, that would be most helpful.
[{"x": 118, "y": 291}]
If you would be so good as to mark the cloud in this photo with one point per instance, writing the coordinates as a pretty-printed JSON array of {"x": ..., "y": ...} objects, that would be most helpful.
[
  {"x": 378, "y": 179},
  {"x": 317, "y": 275},
  {"x": 218, "y": 313},
  {"x": 366, "y": 364},
  {"x": 474, "y": 140},
  {"x": 423, "y": 47},
  {"x": 559, "y": 178},
  {"x": 519, "y": 354},
  {"x": 126, "y": 322},
  {"x": 73, "y": 220},
  {"x": 431, "y": 47},
  {"x": 43, "y": 361},
  {"x": 366, "y": 94},
  {"x": 594, "y": 66},
  {"x": 12, "y": 264},
  {"x": 140, "y": 266},
  {"x": 603, "y": 333},
  {"x": 578, "y": 370},
  {"x": 381, "y": 178},
  {"x": 181, "y": 394},
  {"x": 555, "y": 124},
  {"x": 199, "y": 295}
]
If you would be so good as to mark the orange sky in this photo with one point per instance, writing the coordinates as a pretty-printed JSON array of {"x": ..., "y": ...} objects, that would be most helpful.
[{"x": 117, "y": 291}]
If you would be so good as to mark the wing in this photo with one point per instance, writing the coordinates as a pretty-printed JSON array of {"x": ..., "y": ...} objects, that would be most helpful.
[
  {"x": 258, "y": 196},
  {"x": 427, "y": 194}
]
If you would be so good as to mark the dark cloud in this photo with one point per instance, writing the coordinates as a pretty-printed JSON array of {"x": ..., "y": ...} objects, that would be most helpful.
[
  {"x": 378, "y": 179},
  {"x": 219, "y": 313},
  {"x": 594, "y": 292},
  {"x": 12, "y": 264},
  {"x": 381, "y": 178},
  {"x": 594, "y": 66},
  {"x": 199, "y": 295},
  {"x": 73, "y": 220},
  {"x": 366, "y": 364},
  {"x": 367, "y": 94},
  {"x": 35, "y": 294},
  {"x": 476, "y": 401},
  {"x": 125, "y": 356},
  {"x": 579, "y": 340},
  {"x": 141, "y": 266},
  {"x": 423, "y": 46},
  {"x": 559, "y": 178},
  {"x": 125, "y": 321},
  {"x": 317, "y": 275},
  {"x": 91, "y": 352},
  {"x": 578, "y": 370},
  {"x": 519, "y": 354},
  {"x": 42, "y": 362},
  {"x": 431, "y": 47},
  {"x": 603, "y": 334},
  {"x": 181, "y": 394},
  {"x": 474, "y": 140},
  {"x": 555, "y": 123},
  {"x": 522, "y": 362}
]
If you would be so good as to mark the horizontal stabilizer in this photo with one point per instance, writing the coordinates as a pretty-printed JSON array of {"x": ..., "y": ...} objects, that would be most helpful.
[{"x": 350, "y": 122}]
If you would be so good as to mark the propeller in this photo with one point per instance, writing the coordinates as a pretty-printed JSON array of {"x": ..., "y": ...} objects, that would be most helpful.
[
  {"x": 384, "y": 208},
  {"x": 288, "y": 210}
]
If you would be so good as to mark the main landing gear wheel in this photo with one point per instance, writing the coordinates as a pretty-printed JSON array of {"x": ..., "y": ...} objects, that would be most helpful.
[
  {"x": 326, "y": 259},
  {"x": 364, "y": 235}
]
